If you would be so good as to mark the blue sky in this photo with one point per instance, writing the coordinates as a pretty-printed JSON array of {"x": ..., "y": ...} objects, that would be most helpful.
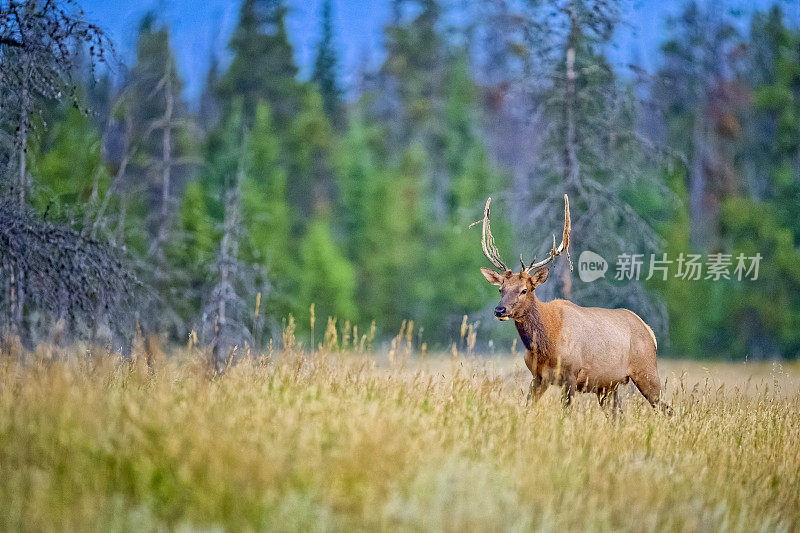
[{"x": 200, "y": 26}]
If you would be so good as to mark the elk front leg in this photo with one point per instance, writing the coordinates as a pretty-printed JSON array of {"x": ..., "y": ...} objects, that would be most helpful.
[
  {"x": 567, "y": 392},
  {"x": 535, "y": 390},
  {"x": 612, "y": 397}
]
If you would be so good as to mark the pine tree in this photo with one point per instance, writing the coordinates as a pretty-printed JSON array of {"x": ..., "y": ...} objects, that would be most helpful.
[
  {"x": 325, "y": 67},
  {"x": 42, "y": 47},
  {"x": 455, "y": 260},
  {"x": 383, "y": 208},
  {"x": 263, "y": 65},
  {"x": 702, "y": 104},
  {"x": 262, "y": 246},
  {"x": 699, "y": 96},
  {"x": 761, "y": 318},
  {"x": 413, "y": 75},
  {"x": 209, "y": 113},
  {"x": 267, "y": 218},
  {"x": 38, "y": 60},
  {"x": 327, "y": 279},
  {"x": 309, "y": 155},
  {"x": 431, "y": 162},
  {"x": 212, "y": 220},
  {"x": 774, "y": 126}
]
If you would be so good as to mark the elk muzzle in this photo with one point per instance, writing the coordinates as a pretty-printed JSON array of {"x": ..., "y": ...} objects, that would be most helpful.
[{"x": 501, "y": 313}]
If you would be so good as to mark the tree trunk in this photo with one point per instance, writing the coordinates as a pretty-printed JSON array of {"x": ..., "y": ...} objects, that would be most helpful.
[
  {"x": 16, "y": 287},
  {"x": 162, "y": 232},
  {"x": 116, "y": 181},
  {"x": 22, "y": 134},
  {"x": 697, "y": 231},
  {"x": 22, "y": 179},
  {"x": 119, "y": 231},
  {"x": 228, "y": 254},
  {"x": 571, "y": 169},
  {"x": 571, "y": 165}
]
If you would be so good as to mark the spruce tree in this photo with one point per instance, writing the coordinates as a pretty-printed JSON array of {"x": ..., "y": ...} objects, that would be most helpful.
[
  {"x": 309, "y": 150},
  {"x": 325, "y": 66},
  {"x": 763, "y": 218},
  {"x": 774, "y": 126},
  {"x": 326, "y": 276},
  {"x": 413, "y": 76},
  {"x": 457, "y": 257},
  {"x": 209, "y": 113},
  {"x": 263, "y": 65},
  {"x": 702, "y": 110},
  {"x": 267, "y": 239},
  {"x": 385, "y": 208}
]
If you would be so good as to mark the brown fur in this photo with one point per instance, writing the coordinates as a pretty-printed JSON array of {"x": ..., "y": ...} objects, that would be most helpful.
[{"x": 588, "y": 349}]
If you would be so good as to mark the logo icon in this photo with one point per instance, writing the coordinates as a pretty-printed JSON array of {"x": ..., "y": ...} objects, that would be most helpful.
[{"x": 591, "y": 266}]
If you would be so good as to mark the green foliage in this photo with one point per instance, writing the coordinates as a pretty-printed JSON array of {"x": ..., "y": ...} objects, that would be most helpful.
[
  {"x": 153, "y": 80},
  {"x": 263, "y": 67},
  {"x": 325, "y": 67},
  {"x": 454, "y": 264},
  {"x": 197, "y": 225},
  {"x": 267, "y": 218},
  {"x": 264, "y": 196},
  {"x": 762, "y": 317},
  {"x": 776, "y": 116},
  {"x": 383, "y": 214},
  {"x": 736, "y": 318},
  {"x": 416, "y": 62},
  {"x": 309, "y": 155},
  {"x": 70, "y": 175},
  {"x": 689, "y": 303},
  {"x": 326, "y": 277},
  {"x": 202, "y": 208},
  {"x": 756, "y": 215},
  {"x": 363, "y": 208}
]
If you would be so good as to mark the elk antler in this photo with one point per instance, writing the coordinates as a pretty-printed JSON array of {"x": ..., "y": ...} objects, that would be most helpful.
[
  {"x": 487, "y": 240},
  {"x": 554, "y": 252}
]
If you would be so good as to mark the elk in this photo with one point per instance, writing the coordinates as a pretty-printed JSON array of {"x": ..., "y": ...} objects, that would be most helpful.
[{"x": 584, "y": 349}]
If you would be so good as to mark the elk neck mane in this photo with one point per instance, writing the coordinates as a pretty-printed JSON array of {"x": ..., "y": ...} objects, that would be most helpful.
[{"x": 531, "y": 330}]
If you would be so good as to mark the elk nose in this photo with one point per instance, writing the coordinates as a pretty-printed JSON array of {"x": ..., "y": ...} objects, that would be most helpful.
[{"x": 499, "y": 310}]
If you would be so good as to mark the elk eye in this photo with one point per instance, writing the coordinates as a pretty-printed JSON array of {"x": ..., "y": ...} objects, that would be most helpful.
[{"x": 524, "y": 291}]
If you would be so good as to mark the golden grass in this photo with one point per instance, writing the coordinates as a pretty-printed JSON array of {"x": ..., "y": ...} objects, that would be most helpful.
[{"x": 329, "y": 441}]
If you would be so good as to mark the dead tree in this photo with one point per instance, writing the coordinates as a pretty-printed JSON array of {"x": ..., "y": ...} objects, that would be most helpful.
[
  {"x": 37, "y": 58},
  {"x": 166, "y": 123},
  {"x": 225, "y": 310},
  {"x": 64, "y": 276}
]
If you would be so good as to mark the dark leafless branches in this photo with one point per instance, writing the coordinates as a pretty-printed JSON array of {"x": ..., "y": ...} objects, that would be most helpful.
[{"x": 67, "y": 277}]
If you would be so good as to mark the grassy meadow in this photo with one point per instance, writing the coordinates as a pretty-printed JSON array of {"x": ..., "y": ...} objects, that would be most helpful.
[{"x": 342, "y": 441}]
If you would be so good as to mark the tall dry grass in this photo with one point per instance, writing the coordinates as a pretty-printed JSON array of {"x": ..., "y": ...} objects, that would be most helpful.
[{"x": 342, "y": 441}]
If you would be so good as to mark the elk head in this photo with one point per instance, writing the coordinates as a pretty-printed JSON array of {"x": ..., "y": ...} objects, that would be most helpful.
[{"x": 516, "y": 290}]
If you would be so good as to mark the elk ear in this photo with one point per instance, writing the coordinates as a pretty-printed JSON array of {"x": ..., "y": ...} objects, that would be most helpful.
[
  {"x": 495, "y": 278},
  {"x": 540, "y": 276}
]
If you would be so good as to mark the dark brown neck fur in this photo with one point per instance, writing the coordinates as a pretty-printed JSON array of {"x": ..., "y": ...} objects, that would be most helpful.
[{"x": 531, "y": 331}]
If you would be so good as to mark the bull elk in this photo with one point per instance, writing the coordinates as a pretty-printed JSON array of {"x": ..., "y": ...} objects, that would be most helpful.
[{"x": 585, "y": 349}]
